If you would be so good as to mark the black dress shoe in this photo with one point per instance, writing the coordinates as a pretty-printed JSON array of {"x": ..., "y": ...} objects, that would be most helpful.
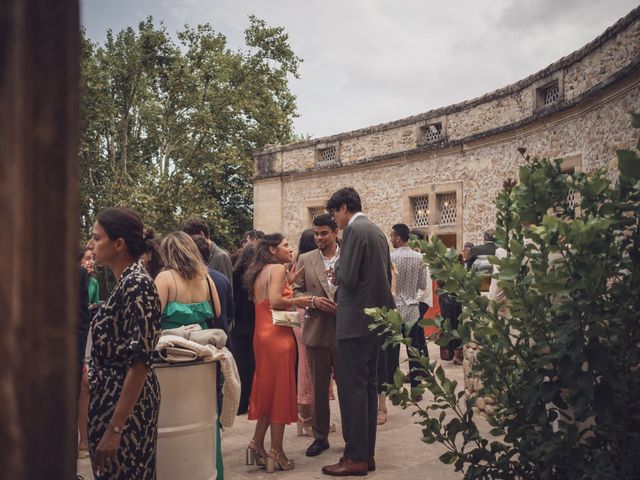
[{"x": 317, "y": 447}]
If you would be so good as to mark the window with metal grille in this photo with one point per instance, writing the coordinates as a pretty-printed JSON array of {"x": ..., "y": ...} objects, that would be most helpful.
[
  {"x": 420, "y": 210},
  {"x": 548, "y": 94},
  {"x": 447, "y": 211},
  {"x": 314, "y": 212},
  {"x": 432, "y": 133},
  {"x": 328, "y": 157},
  {"x": 573, "y": 197}
]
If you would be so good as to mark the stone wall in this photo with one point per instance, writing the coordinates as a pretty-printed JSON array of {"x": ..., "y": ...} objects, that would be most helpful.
[{"x": 386, "y": 163}]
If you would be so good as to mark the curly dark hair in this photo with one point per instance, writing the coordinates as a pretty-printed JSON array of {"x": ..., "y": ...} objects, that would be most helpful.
[
  {"x": 402, "y": 231},
  {"x": 325, "y": 220},
  {"x": 195, "y": 226},
  {"x": 345, "y": 196}
]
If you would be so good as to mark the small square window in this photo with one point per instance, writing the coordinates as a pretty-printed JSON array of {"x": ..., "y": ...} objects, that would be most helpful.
[
  {"x": 420, "y": 211},
  {"x": 328, "y": 157},
  {"x": 548, "y": 94},
  {"x": 432, "y": 133},
  {"x": 314, "y": 212}
]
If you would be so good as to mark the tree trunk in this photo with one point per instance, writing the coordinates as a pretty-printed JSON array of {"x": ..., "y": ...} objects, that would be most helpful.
[{"x": 39, "y": 84}]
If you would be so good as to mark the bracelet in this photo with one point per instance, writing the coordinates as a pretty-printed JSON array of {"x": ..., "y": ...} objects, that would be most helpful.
[
  {"x": 313, "y": 299},
  {"x": 293, "y": 303},
  {"x": 117, "y": 430}
]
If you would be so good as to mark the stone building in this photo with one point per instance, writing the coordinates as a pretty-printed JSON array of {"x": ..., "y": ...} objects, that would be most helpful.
[{"x": 441, "y": 170}]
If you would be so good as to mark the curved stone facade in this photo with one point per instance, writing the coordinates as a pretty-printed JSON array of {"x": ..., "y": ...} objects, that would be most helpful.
[{"x": 441, "y": 170}]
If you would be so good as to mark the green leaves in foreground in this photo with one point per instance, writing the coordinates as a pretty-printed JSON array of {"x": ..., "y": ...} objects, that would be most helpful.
[{"x": 560, "y": 355}]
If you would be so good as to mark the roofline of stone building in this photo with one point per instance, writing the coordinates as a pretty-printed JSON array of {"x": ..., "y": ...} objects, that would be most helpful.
[
  {"x": 631, "y": 71},
  {"x": 560, "y": 64}
]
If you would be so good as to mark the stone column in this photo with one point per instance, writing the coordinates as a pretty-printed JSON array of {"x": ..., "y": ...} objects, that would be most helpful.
[{"x": 39, "y": 76}]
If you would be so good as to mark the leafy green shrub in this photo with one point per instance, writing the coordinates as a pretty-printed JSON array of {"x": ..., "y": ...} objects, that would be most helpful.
[{"x": 561, "y": 355}]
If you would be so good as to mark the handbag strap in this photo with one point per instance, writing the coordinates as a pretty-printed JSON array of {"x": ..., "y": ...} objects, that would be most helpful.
[{"x": 211, "y": 302}]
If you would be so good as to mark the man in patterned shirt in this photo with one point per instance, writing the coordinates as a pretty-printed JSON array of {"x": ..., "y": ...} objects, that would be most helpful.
[{"x": 411, "y": 277}]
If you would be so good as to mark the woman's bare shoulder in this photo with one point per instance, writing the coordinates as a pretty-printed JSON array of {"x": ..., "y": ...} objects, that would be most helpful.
[{"x": 166, "y": 276}]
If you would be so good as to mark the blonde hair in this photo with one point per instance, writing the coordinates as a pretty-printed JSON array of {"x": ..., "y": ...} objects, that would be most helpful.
[{"x": 180, "y": 253}]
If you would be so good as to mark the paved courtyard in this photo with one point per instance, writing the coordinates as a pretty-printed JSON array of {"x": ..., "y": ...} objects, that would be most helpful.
[{"x": 399, "y": 452}]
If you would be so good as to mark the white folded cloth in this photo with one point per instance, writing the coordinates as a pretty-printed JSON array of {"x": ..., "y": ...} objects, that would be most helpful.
[
  {"x": 177, "y": 355},
  {"x": 213, "y": 336},
  {"x": 176, "y": 348}
]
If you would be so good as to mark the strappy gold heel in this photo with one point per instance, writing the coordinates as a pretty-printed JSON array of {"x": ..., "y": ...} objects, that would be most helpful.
[
  {"x": 304, "y": 426},
  {"x": 254, "y": 456},
  {"x": 278, "y": 458}
]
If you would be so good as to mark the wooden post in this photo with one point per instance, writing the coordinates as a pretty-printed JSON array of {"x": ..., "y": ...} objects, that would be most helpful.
[{"x": 39, "y": 98}]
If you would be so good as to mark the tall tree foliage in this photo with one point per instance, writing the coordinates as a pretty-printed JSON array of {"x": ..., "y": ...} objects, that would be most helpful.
[{"x": 169, "y": 126}]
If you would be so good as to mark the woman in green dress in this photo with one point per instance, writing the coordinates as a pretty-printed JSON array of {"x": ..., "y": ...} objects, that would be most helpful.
[
  {"x": 88, "y": 263},
  {"x": 187, "y": 295}
]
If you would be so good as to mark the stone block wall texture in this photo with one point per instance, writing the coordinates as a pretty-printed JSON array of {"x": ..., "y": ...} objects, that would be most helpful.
[{"x": 600, "y": 84}]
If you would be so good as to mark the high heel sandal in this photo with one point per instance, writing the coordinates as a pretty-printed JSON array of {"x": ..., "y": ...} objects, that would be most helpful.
[
  {"x": 254, "y": 456},
  {"x": 304, "y": 427},
  {"x": 278, "y": 458}
]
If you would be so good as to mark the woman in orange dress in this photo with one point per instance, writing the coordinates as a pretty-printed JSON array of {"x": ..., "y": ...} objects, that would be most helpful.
[{"x": 273, "y": 393}]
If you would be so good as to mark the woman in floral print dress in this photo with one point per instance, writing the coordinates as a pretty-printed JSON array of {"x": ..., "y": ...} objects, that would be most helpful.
[{"x": 124, "y": 391}]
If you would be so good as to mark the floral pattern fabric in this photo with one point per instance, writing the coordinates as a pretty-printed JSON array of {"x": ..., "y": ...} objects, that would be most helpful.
[{"x": 125, "y": 329}]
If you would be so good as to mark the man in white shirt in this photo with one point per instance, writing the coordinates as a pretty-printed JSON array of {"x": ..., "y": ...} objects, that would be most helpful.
[{"x": 410, "y": 280}]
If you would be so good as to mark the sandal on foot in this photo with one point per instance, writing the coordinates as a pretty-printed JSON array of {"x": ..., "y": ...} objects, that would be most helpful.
[
  {"x": 280, "y": 459},
  {"x": 304, "y": 426},
  {"x": 256, "y": 455}
]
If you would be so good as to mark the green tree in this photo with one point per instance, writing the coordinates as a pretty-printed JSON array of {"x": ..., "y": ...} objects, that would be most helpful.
[
  {"x": 561, "y": 356},
  {"x": 168, "y": 127}
]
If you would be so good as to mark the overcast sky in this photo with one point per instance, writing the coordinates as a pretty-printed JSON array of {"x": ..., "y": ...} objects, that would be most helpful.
[{"x": 373, "y": 61}]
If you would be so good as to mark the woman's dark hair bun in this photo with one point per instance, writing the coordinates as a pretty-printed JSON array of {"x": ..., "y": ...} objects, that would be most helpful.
[
  {"x": 149, "y": 234},
  {"x": 126, "y": 224}
]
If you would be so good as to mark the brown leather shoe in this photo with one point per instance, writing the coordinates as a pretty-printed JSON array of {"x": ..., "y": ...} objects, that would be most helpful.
[
  {"x": 346, "y": 467},
  {"x": 371, "y": 463}
]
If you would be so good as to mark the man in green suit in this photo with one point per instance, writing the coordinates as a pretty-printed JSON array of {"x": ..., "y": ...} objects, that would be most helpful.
[{"x": 363, "y": 276}]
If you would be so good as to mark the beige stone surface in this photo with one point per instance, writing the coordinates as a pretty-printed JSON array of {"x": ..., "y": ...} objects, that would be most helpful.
[
  {"x": 399, "y": 451},
  {"x": 267, "y": 206}
]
